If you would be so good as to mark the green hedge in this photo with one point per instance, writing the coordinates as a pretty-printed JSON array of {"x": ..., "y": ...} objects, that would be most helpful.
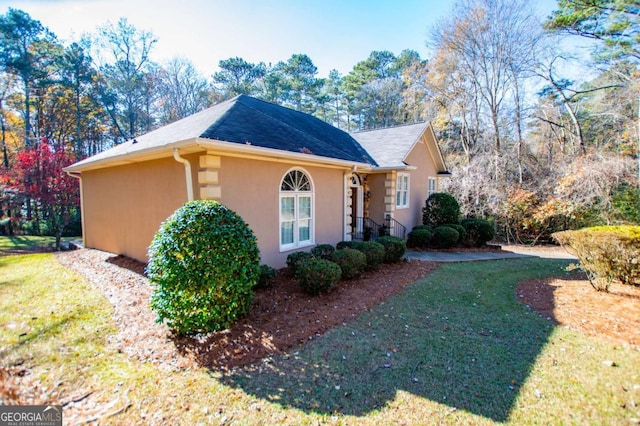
[
  {"x": 479, "y": 232},
  {"x": 295, "y": 259},
  {"x": 203, "y": 263},
  {"x": 606, "y": 253},
  {"x": 352, "y": 262},
  {"x": 419, "y": 238},
  {"x": 440, "y": 208},
  {"x": 323, "y": 251},
  {"x": 444, "y": 237},
  {"x": 394, "y": 248},
  {"x": 318, "y": 275},
  {"x": 373, "y": 251},
  {"x": 462, "y": 233}
]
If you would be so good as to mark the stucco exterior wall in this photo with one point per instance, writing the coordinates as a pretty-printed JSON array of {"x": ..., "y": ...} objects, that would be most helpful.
[
  {"x": 376, "y": 203},
  {"x": 252, "y": 187},
  {"x": 418, "y": 186},
  {"x": 123, "y": 206}
]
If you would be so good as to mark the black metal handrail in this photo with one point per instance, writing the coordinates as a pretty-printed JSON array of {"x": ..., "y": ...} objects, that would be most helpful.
[
  {"x": 394, "y": 228},
  {"x": 364, "y": 229}
]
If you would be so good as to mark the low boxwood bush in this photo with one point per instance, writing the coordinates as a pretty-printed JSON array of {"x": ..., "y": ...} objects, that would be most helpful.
[
  {"x": 345, "y": 244},
  {"x": 606, "y": 253},
  {"x": 318, "y": 275},
  {"x": 427, "y": 227},
  {"x": 479, "y": 232},
  {"x": 267, "y": 277},
  {"x": 462, "y": 233},
  {"x": 323, "y": 251},
  {"x": 419, "y": 238},
  {"x": 394, "y": 248},
  {"x": 295, "y": 259},
  {"x": 351, "y": 261},
  {"x": 373, "y": 251},
  {"x": 440, "y": 208},
  {"x": 444, "y": 237},
  {"x": 203, "y": 263}
]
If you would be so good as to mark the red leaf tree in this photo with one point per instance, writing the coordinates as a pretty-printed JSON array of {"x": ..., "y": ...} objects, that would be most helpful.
[{"x": 37, "y": 176}]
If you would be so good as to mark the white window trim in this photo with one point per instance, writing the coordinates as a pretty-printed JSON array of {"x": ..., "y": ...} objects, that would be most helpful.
[
  {"x": 435, "y": 186},
  {"x": 296, "y": 195},
  {"x": 407, "y": 190}
]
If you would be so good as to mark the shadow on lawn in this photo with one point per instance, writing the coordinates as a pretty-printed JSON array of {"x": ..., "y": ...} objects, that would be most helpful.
[{"x": 468, "y": 345}]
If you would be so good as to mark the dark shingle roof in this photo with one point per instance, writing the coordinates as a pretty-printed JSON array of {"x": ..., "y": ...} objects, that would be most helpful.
[
  {"x": 248, "y": 121},
  {"x": 268, "y": 125}
]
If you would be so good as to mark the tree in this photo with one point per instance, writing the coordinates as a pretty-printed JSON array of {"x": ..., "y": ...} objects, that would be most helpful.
[
  {"x": 491, "y": 42},
  {"x": 239, "y": 77},
  {"x": 302, "y": 87},
  {"x": 124, "y": 83},
  {"x": 183, "y": 91},
  {"x": 38, "y": 175},
  {"x": 77, "y": 73},
  {"x": 613, "y": 22},
  {"x": 27, "y": 49}
]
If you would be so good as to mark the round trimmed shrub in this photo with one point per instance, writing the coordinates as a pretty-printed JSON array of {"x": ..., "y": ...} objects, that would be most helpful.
[
  {"x": 318, "y": 275},
  {"x": 394, "y": 248},
  {"x": 345, "y": 244},
  {"x": 267, "y": 277},
  {"x": 440, "y": 208},
  {"x": 479, "y": 232},
  {"x": 351, "y": 261},
  {"x": 373, "y": 251},
  {"x": 462, "y": 233},
  {"x": 427, "y": 227},
  {"x": 203, "y": 262},
  {"x": 295, "y": 259},
  {"x": 444, "y": 237},
  {"x": 323, "y": 251},
  {"x": 419, "y": 238}
]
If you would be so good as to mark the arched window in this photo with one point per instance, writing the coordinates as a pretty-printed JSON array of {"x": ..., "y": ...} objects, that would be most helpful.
[{"x": 296, "y": 210}]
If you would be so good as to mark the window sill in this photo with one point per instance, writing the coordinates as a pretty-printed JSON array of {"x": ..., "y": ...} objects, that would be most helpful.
[{"x": 284, "y": 249}]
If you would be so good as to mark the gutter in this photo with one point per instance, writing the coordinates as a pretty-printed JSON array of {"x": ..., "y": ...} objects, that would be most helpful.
[{"x": 187, "y": 172}]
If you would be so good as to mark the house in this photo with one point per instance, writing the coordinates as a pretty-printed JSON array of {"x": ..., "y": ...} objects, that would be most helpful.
[{"x": 296, "y": 180}]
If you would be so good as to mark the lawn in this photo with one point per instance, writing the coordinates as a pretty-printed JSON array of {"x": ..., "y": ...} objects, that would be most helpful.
[
  {"x": 456, "y": 347},
  {"x": 26, "y": 243}
]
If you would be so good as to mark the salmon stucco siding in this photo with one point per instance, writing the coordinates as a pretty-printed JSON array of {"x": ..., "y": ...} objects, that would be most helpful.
[
  {"x": 252, "y": 187},
  {"x": 423, "y": 169},
  {"x": 123, "y": 206}
]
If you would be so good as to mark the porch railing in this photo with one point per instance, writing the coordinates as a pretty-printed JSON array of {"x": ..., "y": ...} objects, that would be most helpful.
[
  {"x": 365, "y": 229},
  {"x": 394, "y": 228}
]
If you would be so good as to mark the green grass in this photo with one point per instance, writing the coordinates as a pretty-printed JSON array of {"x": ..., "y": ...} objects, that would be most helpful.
[
  {"x": 30, "y": 242},
  {"x": 453, "y": 348}
]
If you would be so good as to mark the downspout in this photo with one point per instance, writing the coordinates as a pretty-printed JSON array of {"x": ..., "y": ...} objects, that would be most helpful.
[{"x": 187, "y": 173}]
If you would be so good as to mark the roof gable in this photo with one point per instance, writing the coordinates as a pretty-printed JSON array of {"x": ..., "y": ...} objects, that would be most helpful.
[{"x": 390, "y": 146}]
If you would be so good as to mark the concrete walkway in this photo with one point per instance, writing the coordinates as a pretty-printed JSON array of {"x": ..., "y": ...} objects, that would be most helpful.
[{"x": 509, "y": 252}]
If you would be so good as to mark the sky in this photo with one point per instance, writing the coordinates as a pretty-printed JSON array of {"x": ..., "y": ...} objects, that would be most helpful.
[{"x": 335, "y": 34}]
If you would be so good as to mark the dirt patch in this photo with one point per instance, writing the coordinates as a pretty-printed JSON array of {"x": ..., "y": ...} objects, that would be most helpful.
[
  {"x": 281, "y": 317},
  {"x": 572, "y": 302}
]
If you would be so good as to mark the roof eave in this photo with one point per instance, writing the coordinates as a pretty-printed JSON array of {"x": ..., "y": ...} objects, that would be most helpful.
[
  {"x": 386, "y": 169},
  {"x": 130, "y": 157}
]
